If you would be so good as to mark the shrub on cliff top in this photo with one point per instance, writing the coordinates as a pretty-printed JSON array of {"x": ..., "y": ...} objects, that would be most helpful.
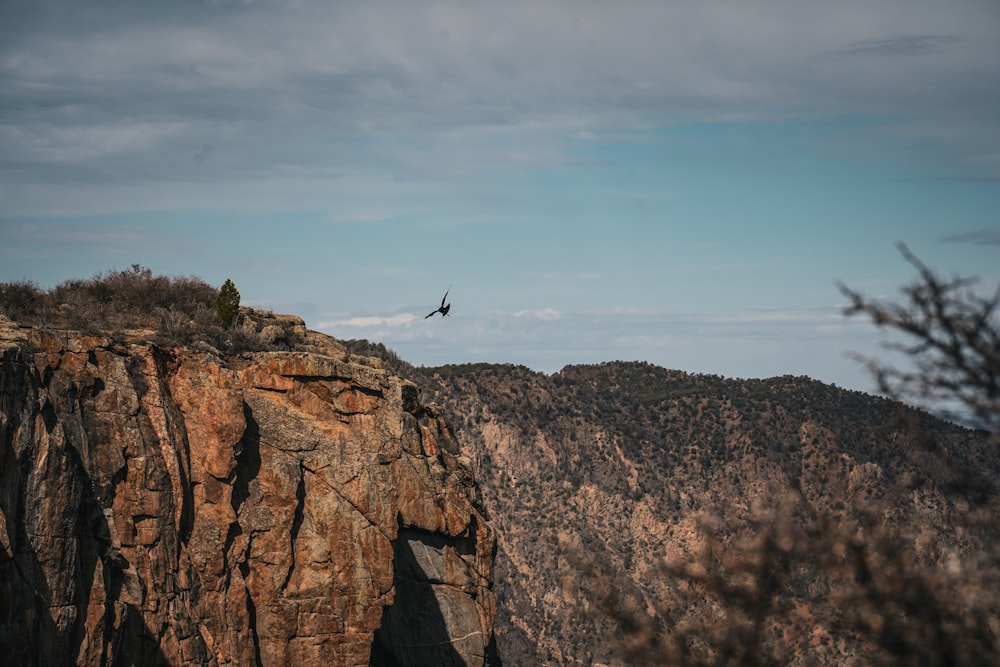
[
  {"x": 176, "y": 310},
  {"x": 21, "y": 300}
]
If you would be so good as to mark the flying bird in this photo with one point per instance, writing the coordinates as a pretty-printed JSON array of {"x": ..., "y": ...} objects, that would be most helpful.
[{"x": 443, "y": 308}]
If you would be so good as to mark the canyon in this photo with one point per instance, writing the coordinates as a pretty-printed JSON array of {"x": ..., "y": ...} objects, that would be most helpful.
[
  {"x": 183, "y": 494},
  {"x": 650, "y": 516}
]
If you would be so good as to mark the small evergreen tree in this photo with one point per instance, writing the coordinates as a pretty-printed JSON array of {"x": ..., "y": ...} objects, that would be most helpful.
[{"x": 227, "y": 304}]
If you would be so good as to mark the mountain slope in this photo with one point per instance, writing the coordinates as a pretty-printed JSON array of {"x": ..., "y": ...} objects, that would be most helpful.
[{"x": 640, "y": 476}]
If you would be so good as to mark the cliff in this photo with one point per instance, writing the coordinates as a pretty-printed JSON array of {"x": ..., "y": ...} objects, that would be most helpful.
[{"x": 175, "y": 506}]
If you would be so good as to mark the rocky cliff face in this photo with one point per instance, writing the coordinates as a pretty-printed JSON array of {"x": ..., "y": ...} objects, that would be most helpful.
[{"x": 278, "y": 508}]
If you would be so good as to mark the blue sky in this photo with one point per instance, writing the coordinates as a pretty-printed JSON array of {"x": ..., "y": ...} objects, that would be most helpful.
[{"x": 678, "y": 182}]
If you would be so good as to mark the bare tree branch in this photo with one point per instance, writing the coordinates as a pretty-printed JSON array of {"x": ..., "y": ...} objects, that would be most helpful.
[{"x": 953, "y": 341}]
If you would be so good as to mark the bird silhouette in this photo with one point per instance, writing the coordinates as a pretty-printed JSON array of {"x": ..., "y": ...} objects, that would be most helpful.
[{"x": 443, "y": 308}]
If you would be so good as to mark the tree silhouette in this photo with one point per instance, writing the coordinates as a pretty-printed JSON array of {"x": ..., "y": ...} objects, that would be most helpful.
[{"x": 953, "y": 341}]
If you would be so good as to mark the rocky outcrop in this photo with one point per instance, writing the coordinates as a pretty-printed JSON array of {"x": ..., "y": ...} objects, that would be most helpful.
[{"x": 171, "y": 506}]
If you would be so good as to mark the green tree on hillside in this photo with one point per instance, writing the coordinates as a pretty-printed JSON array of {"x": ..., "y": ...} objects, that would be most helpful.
[{"x": 227, "y": 304}]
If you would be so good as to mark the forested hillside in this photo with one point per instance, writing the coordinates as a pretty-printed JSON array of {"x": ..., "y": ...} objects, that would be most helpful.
[{"x": 646, "y": 514}]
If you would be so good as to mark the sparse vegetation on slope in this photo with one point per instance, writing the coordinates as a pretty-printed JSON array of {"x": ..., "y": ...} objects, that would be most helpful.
[{"x": 651, "y": 516}]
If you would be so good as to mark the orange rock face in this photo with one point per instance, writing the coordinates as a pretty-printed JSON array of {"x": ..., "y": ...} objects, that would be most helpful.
[{"x": 281, "y": 508}]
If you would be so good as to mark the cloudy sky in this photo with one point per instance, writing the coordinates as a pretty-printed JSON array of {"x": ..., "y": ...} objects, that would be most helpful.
[{"x": 679, "y": 182}]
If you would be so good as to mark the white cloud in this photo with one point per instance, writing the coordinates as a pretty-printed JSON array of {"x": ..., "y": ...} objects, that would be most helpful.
[
  {"x": 538, "y": 314},
  {"x": 367, "y": 112},
  {"x": 82, "y": 143},
  {"x": 487, "y": 85},
  {"x": 367, "y": 321}
]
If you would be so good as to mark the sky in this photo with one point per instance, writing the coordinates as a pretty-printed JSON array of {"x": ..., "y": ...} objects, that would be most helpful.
[{"x": 681, "y": 182}]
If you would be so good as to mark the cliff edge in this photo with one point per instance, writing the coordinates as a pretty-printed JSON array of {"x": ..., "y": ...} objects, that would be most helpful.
[{"x": 176, "y": 506}]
